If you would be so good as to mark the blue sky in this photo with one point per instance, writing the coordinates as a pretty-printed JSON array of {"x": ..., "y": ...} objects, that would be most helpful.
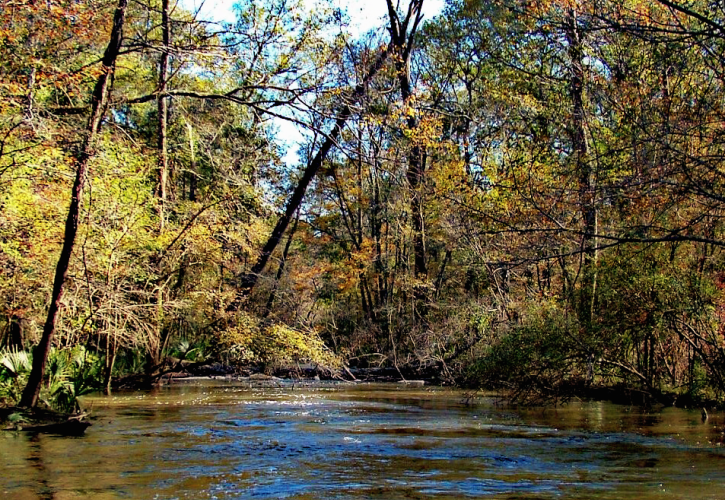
[{"x": 364, "y": 15}]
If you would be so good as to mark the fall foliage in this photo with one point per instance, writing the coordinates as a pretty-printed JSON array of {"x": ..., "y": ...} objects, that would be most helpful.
[{"x": 517, "y": 195}]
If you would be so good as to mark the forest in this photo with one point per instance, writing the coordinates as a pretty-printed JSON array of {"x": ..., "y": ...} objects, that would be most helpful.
[{"x": 513, "y": 195}]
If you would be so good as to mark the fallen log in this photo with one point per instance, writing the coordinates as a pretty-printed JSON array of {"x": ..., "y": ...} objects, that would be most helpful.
[
  {"x": 68, "y": 428},
  {"x": 43, "y": 421}
]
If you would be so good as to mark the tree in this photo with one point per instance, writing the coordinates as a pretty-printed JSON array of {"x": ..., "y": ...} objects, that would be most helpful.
[
  {"x": 98, "y": 109},
  {"x": 402, "y": 37},
  {"x": 341, "y": 116}
]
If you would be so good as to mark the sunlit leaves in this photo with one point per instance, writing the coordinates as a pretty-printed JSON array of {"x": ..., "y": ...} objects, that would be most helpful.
[
  {"x": 250, "y": 342},
  {"x": 48, "y": 44}
]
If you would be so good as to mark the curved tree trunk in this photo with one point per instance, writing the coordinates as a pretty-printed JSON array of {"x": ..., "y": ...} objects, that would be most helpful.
[{"x": 98, "y": 107}]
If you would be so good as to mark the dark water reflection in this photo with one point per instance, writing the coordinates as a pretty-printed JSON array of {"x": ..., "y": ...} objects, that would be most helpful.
[{"x": 355, "y": 442}]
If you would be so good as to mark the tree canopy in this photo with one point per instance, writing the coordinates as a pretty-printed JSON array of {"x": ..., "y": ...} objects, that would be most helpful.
[{"x": 523, "y": 195}]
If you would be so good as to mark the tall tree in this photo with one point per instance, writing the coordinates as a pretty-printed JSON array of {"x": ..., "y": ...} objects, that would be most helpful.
[
  {"x": 403, "y": 33},
  {"x": 163, "y": 110},
  {"x": 583, "y": 165},
  {"x": 99, "y": 101}
]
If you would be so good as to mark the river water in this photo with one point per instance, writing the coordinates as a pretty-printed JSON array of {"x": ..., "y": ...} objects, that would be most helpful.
[{"x": 344, "y": 441}]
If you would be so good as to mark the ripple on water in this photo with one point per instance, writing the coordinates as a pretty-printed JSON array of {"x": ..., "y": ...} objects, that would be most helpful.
[{"x": 362, "y": 442}]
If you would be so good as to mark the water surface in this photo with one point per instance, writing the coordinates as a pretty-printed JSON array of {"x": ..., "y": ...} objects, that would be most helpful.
[{"x": 338, "y": 441}]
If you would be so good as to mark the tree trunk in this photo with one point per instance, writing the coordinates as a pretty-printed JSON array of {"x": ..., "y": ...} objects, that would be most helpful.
[
  {"x": 402, "y": 39},
  {"x": 280, "y": 270},
  {"x": 162, "y": 105},
  {"x": 13, "y": 338},
  {"x": 587, "y": 180},
  {"x": 249, "y": 280},
  {"x": 111, "y": 351},
  {"x": 402, "y": 35},
  {"x": 192, "y": 164},
  {"x": 98, "y": 105}
]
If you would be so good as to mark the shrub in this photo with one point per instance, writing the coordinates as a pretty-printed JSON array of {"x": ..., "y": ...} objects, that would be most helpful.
[
  {"x": 538, "y": 359},
  {"x": 248, "y": 342},
  {"x": 69, "y": 373}
]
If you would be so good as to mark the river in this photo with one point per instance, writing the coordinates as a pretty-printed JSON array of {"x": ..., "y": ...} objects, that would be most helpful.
[{"x": 222, "y": 440}]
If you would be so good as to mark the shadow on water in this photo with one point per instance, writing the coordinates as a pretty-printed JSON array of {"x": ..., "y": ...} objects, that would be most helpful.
[
  {"x": 35, "y": 459},
  {"x": 366, "y": 441}
]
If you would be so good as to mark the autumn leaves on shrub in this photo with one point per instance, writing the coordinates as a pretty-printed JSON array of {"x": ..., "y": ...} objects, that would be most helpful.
[{"x": 249, "y": 342}]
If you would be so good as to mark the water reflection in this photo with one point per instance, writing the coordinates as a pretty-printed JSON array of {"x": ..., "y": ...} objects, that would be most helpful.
[
  {"x": 35, "y": 460},
  {"x": 354, "y": 442}
]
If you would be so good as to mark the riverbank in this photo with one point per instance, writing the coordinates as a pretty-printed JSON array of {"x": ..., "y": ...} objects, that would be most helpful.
[{"x": 308, "y": 374}]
